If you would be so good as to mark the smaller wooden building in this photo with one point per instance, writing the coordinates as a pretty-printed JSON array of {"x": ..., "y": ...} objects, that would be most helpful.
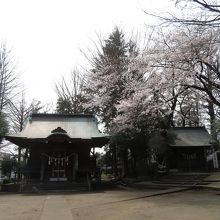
[
  {"x": 57, "y": 147},
  {"x": 189, "y": 149}
]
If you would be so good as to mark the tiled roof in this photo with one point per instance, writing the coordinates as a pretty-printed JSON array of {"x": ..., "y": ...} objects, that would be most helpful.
[
  {"x": 190, "y": 136},
  {"x": 75, "y": 126}
]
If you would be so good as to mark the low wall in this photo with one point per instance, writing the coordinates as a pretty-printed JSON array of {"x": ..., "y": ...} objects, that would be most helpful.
[{"x": 10, "y": 187}]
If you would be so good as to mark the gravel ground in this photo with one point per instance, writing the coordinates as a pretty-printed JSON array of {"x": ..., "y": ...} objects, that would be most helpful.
[{"x": 114, "y": 204}]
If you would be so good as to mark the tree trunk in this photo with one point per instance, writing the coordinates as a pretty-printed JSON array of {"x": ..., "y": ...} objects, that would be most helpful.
[
  {"x": 211, "y": 111},
  {"x": 170, "y": 117}
]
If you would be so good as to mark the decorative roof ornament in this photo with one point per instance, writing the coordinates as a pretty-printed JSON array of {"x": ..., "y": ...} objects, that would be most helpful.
[{"x": 58, "y": 130}]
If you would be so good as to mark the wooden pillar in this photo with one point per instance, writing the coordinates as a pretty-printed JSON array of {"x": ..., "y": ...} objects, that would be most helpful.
[
  {"x": 89, "y": 182},
  {"x": 124, "y": 159},
  {"x": 115, "y": 161},
  {"x": 76, "y": 161},
  {"x": 19, "y": 164},
  {"x": 42, "y": 169},
  {"x": 74, "y": 171},
  {"x": 75, "y": 166}
]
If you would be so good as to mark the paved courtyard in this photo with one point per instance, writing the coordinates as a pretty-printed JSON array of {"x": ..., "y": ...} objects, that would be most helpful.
[{"x": 114, "y": 204}]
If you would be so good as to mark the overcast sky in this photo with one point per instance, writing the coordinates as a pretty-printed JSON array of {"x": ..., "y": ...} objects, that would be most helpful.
[{"x": 46, "y": 36}]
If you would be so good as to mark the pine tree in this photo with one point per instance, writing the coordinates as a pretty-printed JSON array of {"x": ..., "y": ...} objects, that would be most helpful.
[{"x": 107, "y": 80}]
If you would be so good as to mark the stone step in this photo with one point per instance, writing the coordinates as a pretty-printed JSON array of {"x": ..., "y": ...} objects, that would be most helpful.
[
  {"x": 54, "y": 186},
  {"x": 175, "y": 180},
  {"x": 164, "y": 186},
  {"x": 180, "y": 182},
  {"x": 180, "y": 179},
  {"x": 185, "y": 177}
]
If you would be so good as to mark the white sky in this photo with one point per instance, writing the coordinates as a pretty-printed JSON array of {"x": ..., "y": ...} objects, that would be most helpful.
[{"x": 46, "y": 36}]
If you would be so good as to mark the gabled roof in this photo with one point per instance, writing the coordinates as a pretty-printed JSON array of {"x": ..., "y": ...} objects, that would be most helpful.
[
  {"x": 190, "y": 137},
  {"x": 41, "y": 126}
]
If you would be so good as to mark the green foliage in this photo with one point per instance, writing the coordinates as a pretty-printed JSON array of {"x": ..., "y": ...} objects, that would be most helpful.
[
  {"x": 63, "y": 106},
  {"x": 8, "y": 165},
  {"x": 3, "y": 126},
  {"x": 113, "y": 50},
  {"x": 67, "y": 105},
  {"x": 6, "y": 181},
  {"x": 157, "y": 142}
]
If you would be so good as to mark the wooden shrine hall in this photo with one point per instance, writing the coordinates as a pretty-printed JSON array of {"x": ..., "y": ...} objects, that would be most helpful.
[
  {"x": 58, "y": 147},
  {"x": 189, "y": 149}
]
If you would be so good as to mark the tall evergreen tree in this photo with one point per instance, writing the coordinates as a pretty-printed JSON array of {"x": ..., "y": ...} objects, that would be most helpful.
[
  {"x": 107, "y": 80},
  {"x": 107, "y": 86}
]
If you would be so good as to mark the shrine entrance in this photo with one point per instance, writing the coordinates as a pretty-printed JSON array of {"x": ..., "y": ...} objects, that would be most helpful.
[
  {"x": 61, "y": 166},
  {"x": 58, "y": 165}
]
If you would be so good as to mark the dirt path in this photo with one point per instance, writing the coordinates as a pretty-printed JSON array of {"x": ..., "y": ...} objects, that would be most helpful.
[
  {"x": 112, "y": 205},
  {"x": 56, "y": 208},
  {"x": 193, "y": 205}
]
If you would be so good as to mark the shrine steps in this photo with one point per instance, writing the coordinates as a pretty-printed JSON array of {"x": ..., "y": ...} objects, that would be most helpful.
[
  {"x": 189, "y": 180},
  {"x": 183, "y": 178}
]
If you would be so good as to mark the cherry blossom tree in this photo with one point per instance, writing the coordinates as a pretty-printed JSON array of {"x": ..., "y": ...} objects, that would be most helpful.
[
  {"x": 192, "y": 56},
  {"x": 170, "y": 82},
  {"x": 175, "y": 82},
  {"x": 107, "y": 83}
]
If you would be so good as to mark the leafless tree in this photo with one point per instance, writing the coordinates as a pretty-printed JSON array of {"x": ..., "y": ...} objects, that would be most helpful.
[
  {"x": 70, "y": 93},
  {"x": 20, "y": 110},
  {"x": 8, "y": 78},
  {"x": 209, "y": 12},
  {"x": 198, "y": 12}
]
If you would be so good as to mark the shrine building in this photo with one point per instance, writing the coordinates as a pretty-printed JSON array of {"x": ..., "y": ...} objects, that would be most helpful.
[
  {"x": 190, "y": 149},
  {"x": 57, "y": 147}
]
